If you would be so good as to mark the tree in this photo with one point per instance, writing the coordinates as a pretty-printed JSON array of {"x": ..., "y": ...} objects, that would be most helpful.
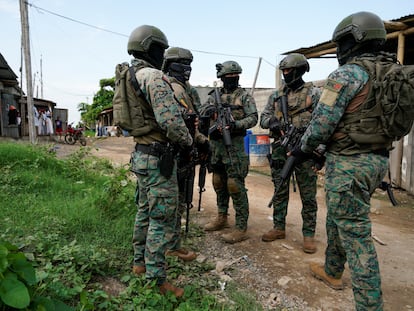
[{"x": 101, "y": 100}]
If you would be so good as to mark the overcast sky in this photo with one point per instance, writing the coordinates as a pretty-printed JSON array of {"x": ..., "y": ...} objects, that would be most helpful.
[{"x": 79, "y": 42}]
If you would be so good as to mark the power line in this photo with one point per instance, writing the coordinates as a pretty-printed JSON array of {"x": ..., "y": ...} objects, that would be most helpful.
[
  {"x": 124, "y": 35},
  {"x": 76, "y": 21}
]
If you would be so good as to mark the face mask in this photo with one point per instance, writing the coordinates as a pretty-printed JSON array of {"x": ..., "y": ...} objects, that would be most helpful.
[
  {"x": 156, "y": 55},
  {"x": 230, "y": 83},
  {"x": 180, "y": 71}
]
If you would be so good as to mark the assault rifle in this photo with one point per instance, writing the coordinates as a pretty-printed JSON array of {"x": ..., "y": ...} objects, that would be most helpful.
[
  {"x": 201, "y": 181},
  {"x": 223, "y": 122},
  {"x": 291, "y": 139},
  {"x": 186, "y": 169},
  {"x": 204, "y": 163}
]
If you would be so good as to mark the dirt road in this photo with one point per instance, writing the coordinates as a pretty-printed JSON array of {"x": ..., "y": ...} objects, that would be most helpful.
[{"x": 278, "y": 271}]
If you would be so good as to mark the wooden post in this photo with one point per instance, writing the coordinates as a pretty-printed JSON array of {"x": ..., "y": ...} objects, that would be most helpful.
[{"x": 24, "y": 16}]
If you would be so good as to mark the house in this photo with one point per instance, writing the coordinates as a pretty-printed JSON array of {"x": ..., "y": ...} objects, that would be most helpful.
[{"x": 12, "y": 97}]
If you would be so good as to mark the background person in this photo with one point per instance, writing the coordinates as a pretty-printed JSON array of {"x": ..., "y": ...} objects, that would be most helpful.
[
  {"x": 230, "y": 165},
  {"x": 177, "y": 65},
  {"x": 301, "y": 98}
]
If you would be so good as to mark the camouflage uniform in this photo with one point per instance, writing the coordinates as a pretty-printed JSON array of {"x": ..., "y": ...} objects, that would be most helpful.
[
  {"x": 230, "y": 167},
  {"x": 351, "y": 178},
  {"x": 189, "y": 101},
  {"x": 300, "y": 103},
  {"x": 155, "y": 220}
]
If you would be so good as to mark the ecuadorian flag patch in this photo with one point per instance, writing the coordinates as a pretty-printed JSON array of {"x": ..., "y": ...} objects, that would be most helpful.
[{"x": 330, "y": 92}]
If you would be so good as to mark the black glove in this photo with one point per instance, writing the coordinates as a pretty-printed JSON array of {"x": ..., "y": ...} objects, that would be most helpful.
[
  {"x": 274, "y": 124},
  {"x": 203, "y": 148},
  {"x": 299, "y": 155}
]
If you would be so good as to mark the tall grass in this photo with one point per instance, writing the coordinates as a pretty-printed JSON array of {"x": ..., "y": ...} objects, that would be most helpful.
[{"x": 73, "y": 219}]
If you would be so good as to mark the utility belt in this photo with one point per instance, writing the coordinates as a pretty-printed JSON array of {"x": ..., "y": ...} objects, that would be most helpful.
[
  {"x": 155, "y": 149},
  {"x": 165, "y": 152}
]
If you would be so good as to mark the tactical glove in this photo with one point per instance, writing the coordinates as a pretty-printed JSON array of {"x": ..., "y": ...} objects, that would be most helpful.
[
  {"x": 274, "y": 124},
  {"x": 300, "y": 156}
]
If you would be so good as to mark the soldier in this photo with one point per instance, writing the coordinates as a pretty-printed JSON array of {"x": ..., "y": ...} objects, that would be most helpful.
[
  {"x": 353, "y": 170},
  {"x": 154, "y": 160},
  {"x": 230, "y": 163},
  {"x": 301, "y": 98},
  {"x": 177, "y": 65}
]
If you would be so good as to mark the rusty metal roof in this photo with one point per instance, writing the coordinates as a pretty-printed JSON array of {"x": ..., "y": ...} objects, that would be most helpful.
[{"x": 7, "y": 76}]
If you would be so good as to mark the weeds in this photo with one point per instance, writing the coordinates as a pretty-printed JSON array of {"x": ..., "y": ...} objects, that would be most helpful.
[{"x": 71, "y": 221}]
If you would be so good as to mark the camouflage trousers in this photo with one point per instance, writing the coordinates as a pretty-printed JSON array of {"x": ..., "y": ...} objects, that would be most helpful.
[
  {"x": 156, "y": 215},
  {"x": 306, "y": 180},
  {"x": 230, "y": 169},
  {"x": 350, "y": 182}
]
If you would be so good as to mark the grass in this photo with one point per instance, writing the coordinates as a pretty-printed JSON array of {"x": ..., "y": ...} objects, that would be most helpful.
[{"x": 73, "y": 218}]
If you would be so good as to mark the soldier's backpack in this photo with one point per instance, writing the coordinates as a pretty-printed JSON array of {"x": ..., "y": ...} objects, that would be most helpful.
[
  {"x": 389, "y": 111},
  {"x": 128, "y": 102}
]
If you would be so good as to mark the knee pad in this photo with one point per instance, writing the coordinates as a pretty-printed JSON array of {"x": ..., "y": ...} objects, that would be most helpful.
[
  {"x": 232, "y": 185},
  {"x": 217, "y": 182}
]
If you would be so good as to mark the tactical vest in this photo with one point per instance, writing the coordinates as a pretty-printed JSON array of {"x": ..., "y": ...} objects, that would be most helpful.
[
  {"x": 352, "y": 136},
  {"x": 299, "y": 107},
  {"x": 146, "y": 129},
  {"x": 236, "y": 106}
]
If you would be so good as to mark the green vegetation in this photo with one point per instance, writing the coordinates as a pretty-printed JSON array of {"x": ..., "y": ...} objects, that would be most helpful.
[
  {"x": 101, "y": 100},
  {"x": 65, "y": 240}
]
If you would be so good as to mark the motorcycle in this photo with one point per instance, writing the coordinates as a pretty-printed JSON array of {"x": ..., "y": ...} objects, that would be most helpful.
[{"x": 74, "y": 134}]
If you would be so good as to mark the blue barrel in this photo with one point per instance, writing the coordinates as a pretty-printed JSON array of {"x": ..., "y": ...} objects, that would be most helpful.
[
  {"x": 259, "y": 148},
  {"x": 247, "y": 141}
]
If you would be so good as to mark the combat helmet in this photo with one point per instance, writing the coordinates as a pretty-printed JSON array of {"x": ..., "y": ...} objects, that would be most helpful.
[
  {"x": 358, "y": 33},
  {"x": 294, "y": 60},
  {"x": 228, "y": 67},
  {"x": 298, "y": 65},
  {"x": 143, "y": 37},
  {"x": 178, "y": 54},
  {"x": 363, "y": 26}
]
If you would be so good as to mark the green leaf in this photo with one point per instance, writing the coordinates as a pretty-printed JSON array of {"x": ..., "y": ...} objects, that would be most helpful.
[
  {"x": 3, "y": 258},
  {"x": 14, "y": 293},
  {"x": 24, "y": 269}
]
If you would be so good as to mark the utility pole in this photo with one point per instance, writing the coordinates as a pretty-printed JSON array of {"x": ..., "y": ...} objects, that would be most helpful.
[
  {"x": 41, "y": 77},
  {"x": 24, "y": 16},
  {"x": 256, "y": 75}
]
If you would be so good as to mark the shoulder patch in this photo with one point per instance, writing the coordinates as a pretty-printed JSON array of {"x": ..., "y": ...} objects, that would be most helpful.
[{"x": 333, "y": 85}]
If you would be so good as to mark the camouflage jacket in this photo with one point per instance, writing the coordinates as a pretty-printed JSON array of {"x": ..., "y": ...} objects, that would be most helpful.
[
  {"x": 341, "y": 87},
  {"x": 158, "y": 92},
  {"x": 301, "y": 103}
]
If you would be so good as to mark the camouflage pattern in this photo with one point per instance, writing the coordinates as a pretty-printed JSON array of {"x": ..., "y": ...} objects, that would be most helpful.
[
  {"x": 157, "y": 90},
  {"x": 156, "y": 217},
  {"x": 188, "y": 98},
  {"x": 230, "y": 167},
  {"x": 305, "y": 177},
  {"x": 350, "y": 182}
]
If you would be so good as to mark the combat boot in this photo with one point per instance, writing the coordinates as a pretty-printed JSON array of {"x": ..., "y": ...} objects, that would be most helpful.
[
  {"x": 168, "y": 287},
  {"x": 217, "y": 224},
  {"x": 273, "y": 234},
  {"x": 309, "y": 245},
  {"x": 182, "y": 253},
  {"x": 235, "y": 236},
  {"x": 318, "y": 271},
  {"x": 138, "y": 270}
]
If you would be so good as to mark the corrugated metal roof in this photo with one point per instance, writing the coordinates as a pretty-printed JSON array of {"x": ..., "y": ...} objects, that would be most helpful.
[
  {"x": 6, "y": 73},
  {"x": 327, "y": 49}
]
